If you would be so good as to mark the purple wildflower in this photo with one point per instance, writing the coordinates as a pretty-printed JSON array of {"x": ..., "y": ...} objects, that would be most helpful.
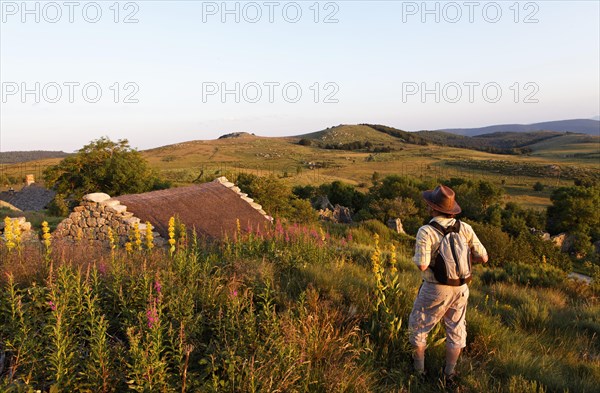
[
  {"x": 52, "y": 305},
  {"x": 152, "y": 316},
  {"x": 157, "y": 286}
]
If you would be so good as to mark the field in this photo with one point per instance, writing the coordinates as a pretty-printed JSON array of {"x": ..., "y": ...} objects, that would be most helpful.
[
  {"x": 297, "y": 164},
  {"x": 316, "y": 307},
  {"x": 294, "y": 309}
]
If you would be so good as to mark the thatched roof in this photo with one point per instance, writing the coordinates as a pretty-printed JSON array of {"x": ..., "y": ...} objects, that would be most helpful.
[{"x": 212, "y": 209}]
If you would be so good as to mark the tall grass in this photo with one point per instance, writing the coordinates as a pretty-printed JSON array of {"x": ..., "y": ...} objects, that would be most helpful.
[{"x": 291, "y": 309}]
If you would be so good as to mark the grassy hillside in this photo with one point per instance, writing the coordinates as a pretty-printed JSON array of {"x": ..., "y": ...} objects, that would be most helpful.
[
  {"x": 286, "y": 158},
  {"x": 295, "y": 309},
  {"x": 12, "y": 157}
]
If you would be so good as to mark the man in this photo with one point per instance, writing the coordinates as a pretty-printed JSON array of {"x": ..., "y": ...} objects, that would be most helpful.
[{"x": 436, "y": 301}]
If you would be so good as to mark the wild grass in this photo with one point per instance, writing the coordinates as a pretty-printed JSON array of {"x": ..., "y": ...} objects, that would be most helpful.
[{"x": 294, "y": 309}]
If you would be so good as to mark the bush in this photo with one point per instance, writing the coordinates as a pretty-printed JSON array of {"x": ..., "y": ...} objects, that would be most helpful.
[
  {"x": 58, "y": 206},
  {"x": 102, "y": 166}
]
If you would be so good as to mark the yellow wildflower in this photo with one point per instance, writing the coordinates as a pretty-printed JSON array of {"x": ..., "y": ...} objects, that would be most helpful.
[
  {"x": 394, "y": 270},
  {"x": 8, "y": 233},
  {"x": 46, "y": 236},
  {"x": 149, "y": 236},
  {"x": 137, "y": 236},
  {"x": 172, "y": 234}
]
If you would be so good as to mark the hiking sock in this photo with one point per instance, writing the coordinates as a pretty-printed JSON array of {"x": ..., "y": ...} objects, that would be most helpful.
[
  {"x": 452, "y": 355},
  {"x": 419, "y": 359}
]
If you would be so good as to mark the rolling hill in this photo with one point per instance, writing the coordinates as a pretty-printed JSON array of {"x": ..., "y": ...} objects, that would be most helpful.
[
  {"x": 13, "y": 157},
  {"x": 342, "y": 153},
  {"x": 583, "y": 126}
]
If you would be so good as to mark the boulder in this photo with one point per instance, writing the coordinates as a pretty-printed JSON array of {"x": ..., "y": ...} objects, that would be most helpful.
[
  {"x": 559, "y": 239},
  {"x": 341, "y": 214}
]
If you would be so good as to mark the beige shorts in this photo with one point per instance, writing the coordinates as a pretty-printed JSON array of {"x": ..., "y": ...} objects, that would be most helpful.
[{"x": 433, "y": 303}]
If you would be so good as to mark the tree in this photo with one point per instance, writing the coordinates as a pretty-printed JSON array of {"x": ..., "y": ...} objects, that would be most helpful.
[
  {"x": 103, "y": 166},
  {"x": 575, "y": 209},
  {"x": 276, "y": 197}
]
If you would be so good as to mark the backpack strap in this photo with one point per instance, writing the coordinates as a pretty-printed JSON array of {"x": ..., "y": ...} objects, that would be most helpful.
[
  {"x": 449, "y": 229},
  {"x": 454, "y": 228}
]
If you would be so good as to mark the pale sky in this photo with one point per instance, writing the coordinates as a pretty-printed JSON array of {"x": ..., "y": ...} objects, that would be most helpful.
[{"x": 293, "y": 67}]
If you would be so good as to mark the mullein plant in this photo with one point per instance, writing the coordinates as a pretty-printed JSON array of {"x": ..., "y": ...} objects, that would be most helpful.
[
  {"x": 149, "y": 236},
  {"x": 8, "y": 234},
  {"x": 46, "y": 240},
  {"x": 137, "y": 237},
  {"x": 17, "y": 235},
  {"x": 386, "y": 323},
  {"x": 172, "y": 240}
]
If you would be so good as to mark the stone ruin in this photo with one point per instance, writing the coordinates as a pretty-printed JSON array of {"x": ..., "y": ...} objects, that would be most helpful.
[{"x": 97, "y": 213}]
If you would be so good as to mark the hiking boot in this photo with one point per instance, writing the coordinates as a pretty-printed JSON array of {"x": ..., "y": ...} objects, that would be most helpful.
[
  {"x": 421, "y": 374},
  {"x": 451, "y": 382}
]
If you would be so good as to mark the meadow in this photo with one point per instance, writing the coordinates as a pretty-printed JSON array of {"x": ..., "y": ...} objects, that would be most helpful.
[
  {"x": 299, "y": 308},
  {"x": 555, "y": 162}
]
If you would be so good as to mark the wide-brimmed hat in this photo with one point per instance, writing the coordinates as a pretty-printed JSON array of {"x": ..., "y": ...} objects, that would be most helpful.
[{"x": 442, "y": 200}]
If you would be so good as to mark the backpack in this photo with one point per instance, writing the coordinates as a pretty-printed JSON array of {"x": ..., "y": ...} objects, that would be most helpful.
[{"x": 452, "y": 263}]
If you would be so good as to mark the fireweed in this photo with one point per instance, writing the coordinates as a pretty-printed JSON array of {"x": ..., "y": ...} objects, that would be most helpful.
[{"x": 290, "y": 312}]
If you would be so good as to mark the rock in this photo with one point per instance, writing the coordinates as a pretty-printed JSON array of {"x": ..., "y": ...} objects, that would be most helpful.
[
  {"x": 256, "y": 205},
  {"x": 132, "y": 221},
  {"x": 249, "y": 200},
  {"x": 540, "y": 233},
  {"x": 78, "y": 208},
  {"x": 96, "y": 197},
  {"x": 322, "y": 203},
  {"x": 342, "y": 214},
  {"x": 236, "y": 189},
  {"x": 396, "y": 225},
  {"x": 559, "y": 239},
  {"x": 227, "y": 184},
  {"x": 110, "y": 202},
  {"x": 117, "y": 209}
]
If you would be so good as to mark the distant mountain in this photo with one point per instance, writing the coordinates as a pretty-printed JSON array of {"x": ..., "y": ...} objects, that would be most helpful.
[
  {"x": 13, "y": 157},
  {"x": 583, "y": 126}
]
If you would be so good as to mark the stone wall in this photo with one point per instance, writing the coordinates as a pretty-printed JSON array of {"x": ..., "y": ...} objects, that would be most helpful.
[{"x": 97, "y": 213}]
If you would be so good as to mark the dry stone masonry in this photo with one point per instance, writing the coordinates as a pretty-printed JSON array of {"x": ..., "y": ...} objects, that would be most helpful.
[
  {"x": 97, "y": 213},
  {"x": 223, "y": 180}
]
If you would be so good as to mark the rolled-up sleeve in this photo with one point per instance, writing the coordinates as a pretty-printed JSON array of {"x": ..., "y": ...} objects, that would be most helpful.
[
  {"x": 476, "y": 247},
  {"x": 422, "y": 255}
]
